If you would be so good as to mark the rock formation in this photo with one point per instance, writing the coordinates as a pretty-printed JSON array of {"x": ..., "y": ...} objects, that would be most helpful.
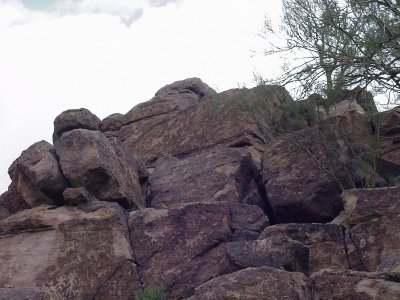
[{"x": 194, "y": 196}]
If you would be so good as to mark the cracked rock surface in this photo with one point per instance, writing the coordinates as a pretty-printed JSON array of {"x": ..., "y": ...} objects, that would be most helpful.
[{"x": 189, "y": 196}]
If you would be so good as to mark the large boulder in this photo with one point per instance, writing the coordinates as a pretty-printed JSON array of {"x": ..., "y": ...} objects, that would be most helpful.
[
  {"x": 71, "y": 253},
  {"x": 347, "y": 284},
  {"x": 298, "y": 189},
  {"x": 184, "y": 246},
  {"x": 373, "y": 216},
  {"x": 217, "y": 174},
  {"x": 101, "y": 165},
  {"x": 328, "y": 244},
  {"x": 214, "y": 121},
  {"x": 277, "y": 252},
  {"x": 255, "y": 284},
  {"x": 171, "y": 98},
  {"x": 37, "y": 175},
  {"x": 74, "y": 119}
]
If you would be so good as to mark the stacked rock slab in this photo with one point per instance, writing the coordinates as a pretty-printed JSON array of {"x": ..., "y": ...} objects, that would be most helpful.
[{"x": 182, "y": 195}]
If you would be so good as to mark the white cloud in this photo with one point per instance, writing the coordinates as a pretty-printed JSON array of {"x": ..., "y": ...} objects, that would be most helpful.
[{"x": 14, "y": 12}]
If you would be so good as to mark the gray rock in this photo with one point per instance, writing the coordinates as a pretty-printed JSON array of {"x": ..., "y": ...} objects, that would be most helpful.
[{"x": 74, "y": 119}]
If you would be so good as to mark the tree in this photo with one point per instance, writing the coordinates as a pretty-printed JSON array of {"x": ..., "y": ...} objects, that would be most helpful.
[{"x": 337, "y": 45}]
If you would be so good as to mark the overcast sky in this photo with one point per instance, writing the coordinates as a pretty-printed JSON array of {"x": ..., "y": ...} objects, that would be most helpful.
[{"x": 109, "y": 55}]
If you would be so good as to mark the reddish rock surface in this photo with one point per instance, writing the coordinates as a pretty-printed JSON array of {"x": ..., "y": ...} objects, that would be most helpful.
[
  {"x": 37, "y": 175},
  {"x": 255, "y": 284},
  {"x": 214, "y": 121},
  {"x": 218, "y": 174},
  {"x": 346, "y": 284},
  {"x": 278, "y": 252},
  {"x": 373, "y": 216},
  {"x": 328, "y": 244},
  {"x": 72, "y": 253},
  {"x": 191, "y": 194},
  {"x": 105, "y": 169}
]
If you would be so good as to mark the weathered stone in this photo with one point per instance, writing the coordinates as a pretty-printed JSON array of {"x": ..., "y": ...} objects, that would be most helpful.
[
  {"x": 100, "y": 165},
  {"x": 277, "y": 252},
  {"x": 11, "y": 202},
  {"x": 74, "y": 119},
  {"x": 247, "y": 221},
  {"x": 113, "y": 122},
  {"x": 327, "y": 243},
  {"x": 345, "y": 107},
  {"x": 70, "y": 252},
  {"x": 171, "y": 98},
  {"x": 346, "y": 284},
  {"x": 372, "y": 216},
  {"x": 298, "y": 189},
  {"x": 23, "y": 294},
  {"x": 218, "y": 174},
  {"x": 181, "y": 247},
  {"x": 255, "y": 284},
  {"x": 214, "y": 121},
  {"x": 77, "y": 196},
  {"x": 37, "y": 175},
  {"x": 367, "y": 204},
  {"x": 389, "y": 130}
]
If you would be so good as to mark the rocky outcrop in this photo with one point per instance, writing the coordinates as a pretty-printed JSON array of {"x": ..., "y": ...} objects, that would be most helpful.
[
  {"x": 372, "y": 216},
  {"x": 215, "y": 121},
  {"x": 218, "y": 174},
  {"x": 37, "y": 175},
  {"x": 346, "y": 284},
  {"x": 74, "y": 119},
  {"x": 390, "y": 132},
  {"x": 192, "y": 196},
  {"x": 105, "y": 168},
  {"x": 71, "y": 253},
  {"x": 255, "y": 283},
  {"x": 328, "y": 244},
  {"x": 184, "y": 246}
]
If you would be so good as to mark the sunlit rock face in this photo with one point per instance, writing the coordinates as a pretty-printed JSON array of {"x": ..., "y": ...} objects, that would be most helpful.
[{"x": 190, "y": 196}]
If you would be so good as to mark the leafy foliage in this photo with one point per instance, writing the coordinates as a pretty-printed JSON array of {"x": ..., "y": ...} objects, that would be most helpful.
[
  {"x": 338, "y": 44},
  {"x": 151, "y": 293}
]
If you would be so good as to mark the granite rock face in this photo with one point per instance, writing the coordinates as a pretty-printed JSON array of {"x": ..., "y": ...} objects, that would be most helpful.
[{"x": 190, "y": 195}]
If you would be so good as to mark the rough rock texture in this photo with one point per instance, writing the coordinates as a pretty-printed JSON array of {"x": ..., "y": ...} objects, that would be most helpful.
[
  {"x": 183, "y": 246},
  {"x": 37, "y": 175},
  {"x": 255, "y": 284},
  {"x": 297, "y": 189},
  {"x": 70, "y": 252},
  {"x": 74, "y": 119},
  {"x": 217, "y": 120},
  {"x": 23, "y": 293},
  {"x": 374, "y": 215},
  {"x": 191, "y": 194},
  {"x": 173, "y": 97},
  {"x": 218, "y": 174},
  {"x": 113, "y": 122},
  {"x": 11, "y": 202},
  {"x": 278, "y": 252},
  {"x": 390, "y": 131},
  {"x": 76, "y": 196},
  {"x": 105, "y": 169},
  {"x": 328, "y": 244},
  {"x": 346, "y": 284}
]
